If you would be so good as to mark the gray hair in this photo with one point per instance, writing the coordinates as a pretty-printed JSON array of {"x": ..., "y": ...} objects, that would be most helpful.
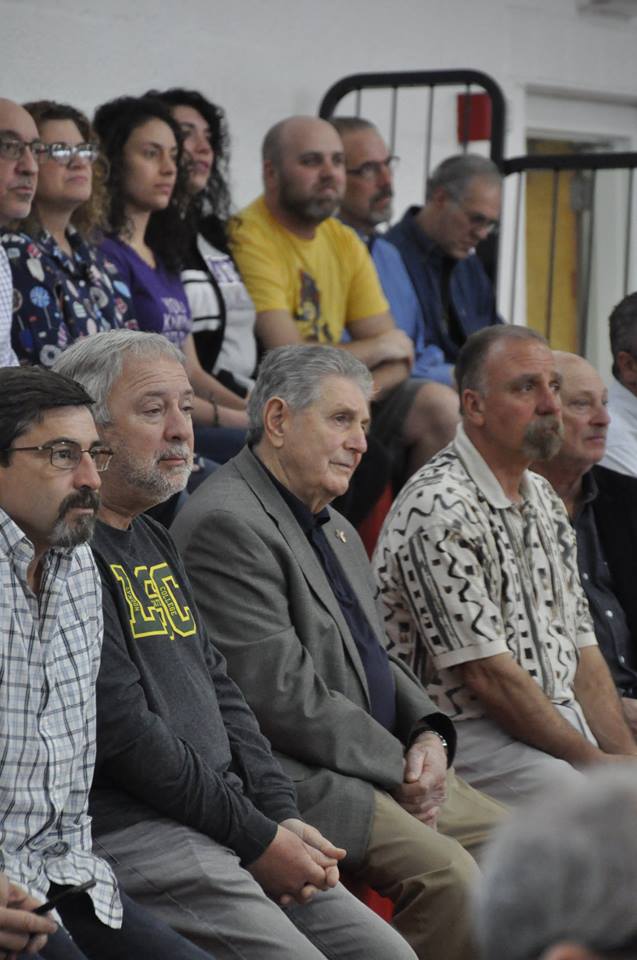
[
  {"x": 454, "y": 174},
  {"x": 296, "y": 374},
  {"x": 623, "y": 329},
  {"x": 563, "y": 868},
  {"x": 97, "y": 362},
  {"x": 469, "y": 370}
]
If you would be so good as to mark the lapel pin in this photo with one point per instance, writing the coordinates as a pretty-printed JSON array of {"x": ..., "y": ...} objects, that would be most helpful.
[{"x": 340, "y": 535}]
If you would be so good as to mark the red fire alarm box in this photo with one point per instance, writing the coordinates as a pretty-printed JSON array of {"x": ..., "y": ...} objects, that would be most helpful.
[{"x": 473, "y": 116}]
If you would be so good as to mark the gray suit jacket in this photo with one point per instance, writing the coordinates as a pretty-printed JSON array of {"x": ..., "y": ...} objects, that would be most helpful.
[{"x": 269, "y": 607}]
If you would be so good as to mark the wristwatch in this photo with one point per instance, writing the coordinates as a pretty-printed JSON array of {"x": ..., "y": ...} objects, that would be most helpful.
[{"x": 440, "y": 737}]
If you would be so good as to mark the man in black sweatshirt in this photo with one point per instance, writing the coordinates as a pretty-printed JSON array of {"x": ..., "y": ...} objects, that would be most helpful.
[{"x": 196, "y": 815}]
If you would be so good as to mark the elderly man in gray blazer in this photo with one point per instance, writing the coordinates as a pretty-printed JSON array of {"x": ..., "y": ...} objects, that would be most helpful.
[{"x": 285, "y": 588}]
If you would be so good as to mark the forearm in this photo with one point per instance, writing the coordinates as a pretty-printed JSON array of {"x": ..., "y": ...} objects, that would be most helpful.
[
  {"x": 205, "y": 414},
  {"x": 602, "y": 707},
  {"x": 206, "y": 386},
  {"x": 512, "y": 699},
  {"x": 388, "y": 376}
]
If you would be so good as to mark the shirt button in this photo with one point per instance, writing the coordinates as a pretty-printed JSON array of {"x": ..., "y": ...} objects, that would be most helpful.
[
  {"x": 584, "y": 576},
  {"x": 622, "y": 659},
  {"x": 609, "y": 614}
]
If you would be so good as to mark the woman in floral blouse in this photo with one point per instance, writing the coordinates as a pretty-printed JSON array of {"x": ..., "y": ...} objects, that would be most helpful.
[{"x": 64, "y": 287}]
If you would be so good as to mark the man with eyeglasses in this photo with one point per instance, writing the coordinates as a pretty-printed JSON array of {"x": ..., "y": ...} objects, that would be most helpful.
[
  {"x": 438, "y": 245},
  {"x": 51, "y": 457},
  {"x": 18, "y": 179},
  {"x": 311, "y": 280},
  {"x": 367, "y": 203}
]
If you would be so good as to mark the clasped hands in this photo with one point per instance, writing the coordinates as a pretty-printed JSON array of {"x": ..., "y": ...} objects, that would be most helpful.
[
  {"x": 424, "y": 787},
  {"x": 297, "y": 864}
]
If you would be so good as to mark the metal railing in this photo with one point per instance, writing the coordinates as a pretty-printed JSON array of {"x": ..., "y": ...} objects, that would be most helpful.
[
  {"x": 557, "y": 164},
  {"x": 428, "y": 80}
]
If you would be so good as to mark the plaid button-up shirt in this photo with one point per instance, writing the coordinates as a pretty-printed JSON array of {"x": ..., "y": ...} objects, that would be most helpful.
[{"x": 50, "y": 652}]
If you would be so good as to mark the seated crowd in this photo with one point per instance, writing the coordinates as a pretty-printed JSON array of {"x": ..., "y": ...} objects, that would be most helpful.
[{"x": 209, "y": 728}]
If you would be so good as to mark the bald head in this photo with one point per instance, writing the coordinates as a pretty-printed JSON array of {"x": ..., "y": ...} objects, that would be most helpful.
[
  {"x": 18, "y": 174},
  {"x": 584, "y": 413},
  {"x": 303, "y": 172}
]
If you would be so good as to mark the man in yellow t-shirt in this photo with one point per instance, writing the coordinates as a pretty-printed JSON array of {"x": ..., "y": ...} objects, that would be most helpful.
[{"x": 312, "y": 279}]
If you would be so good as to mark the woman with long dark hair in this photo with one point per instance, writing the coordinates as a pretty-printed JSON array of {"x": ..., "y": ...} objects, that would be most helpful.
[
  {"x": 222, "y": 310},
  {"x": 148, "y": 239}
]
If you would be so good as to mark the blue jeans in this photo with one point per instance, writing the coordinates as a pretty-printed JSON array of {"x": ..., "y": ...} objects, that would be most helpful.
[{"x": 141, "y": 937}]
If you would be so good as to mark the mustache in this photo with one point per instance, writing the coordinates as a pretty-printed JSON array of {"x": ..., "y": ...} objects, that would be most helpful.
[
  {"x": 179, "y": 451},
  {"x": 88, "y": 499},
  {"x": 385, "y": 193}
]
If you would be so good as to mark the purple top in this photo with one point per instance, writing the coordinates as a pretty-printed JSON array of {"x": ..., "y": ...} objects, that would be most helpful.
[{"x": 158, "y": 297}]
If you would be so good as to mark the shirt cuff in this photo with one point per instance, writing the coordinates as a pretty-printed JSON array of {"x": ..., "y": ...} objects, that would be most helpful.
[{"x": 438, "y": 723}]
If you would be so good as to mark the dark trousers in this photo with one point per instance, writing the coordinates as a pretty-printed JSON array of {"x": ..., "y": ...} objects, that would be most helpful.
[{"x": 141, "y": 936}]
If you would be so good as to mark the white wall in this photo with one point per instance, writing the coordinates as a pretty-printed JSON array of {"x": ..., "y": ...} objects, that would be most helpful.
[{"x": 265, "y": 59}]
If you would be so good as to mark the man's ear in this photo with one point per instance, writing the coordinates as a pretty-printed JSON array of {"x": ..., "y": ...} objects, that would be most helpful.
[
  {"x": 473, "y": 407},
  {"x": 569, "y": 951},
  {"x": 270, "y": 176},
  {"x": 439, "y": 197},
  {"x": 276, "y": 415},
  {"x": 627, "y": 367}
]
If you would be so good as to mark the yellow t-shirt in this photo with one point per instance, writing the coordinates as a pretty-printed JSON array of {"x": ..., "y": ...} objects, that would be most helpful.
[{"x": 326, "y": 283}]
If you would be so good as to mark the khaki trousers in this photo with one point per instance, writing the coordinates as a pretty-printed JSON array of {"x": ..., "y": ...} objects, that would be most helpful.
[{"x": 429, "y": 874}]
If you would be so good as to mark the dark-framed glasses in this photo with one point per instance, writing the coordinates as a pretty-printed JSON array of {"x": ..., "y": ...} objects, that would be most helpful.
[
  {"x": 66, "y": 455},
  {"x": 12, "y": 148},
  {"x": 478, "y": 220},
  {"x": 371, "y": 169},
  {"x": 64, "y": 153}
]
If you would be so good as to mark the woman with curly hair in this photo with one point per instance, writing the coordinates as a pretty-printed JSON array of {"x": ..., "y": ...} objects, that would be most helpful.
[
  {"x": 64, "y": 287},
  {"x": 148, "y": 241},
  {"x": 222, "y": 310}
]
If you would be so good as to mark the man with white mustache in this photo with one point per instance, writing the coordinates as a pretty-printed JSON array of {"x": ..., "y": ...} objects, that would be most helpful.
[
  {"x": 602, "y": 506},
  {"x": 477, "y": 568},
  {"x": 197, "y": 816}
]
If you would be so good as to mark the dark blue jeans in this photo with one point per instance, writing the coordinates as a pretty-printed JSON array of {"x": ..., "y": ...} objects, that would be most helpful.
[{"x": 141, "y": 936}]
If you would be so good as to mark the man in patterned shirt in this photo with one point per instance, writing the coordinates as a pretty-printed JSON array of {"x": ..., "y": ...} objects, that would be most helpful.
[
  {"x": 50, "y": 611},
  {"x": 18, "y": 179},
  {"x": 478, "y": 575}
]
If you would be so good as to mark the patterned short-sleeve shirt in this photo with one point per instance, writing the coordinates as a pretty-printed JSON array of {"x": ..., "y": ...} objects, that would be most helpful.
[{"x": 465, "y": 573}]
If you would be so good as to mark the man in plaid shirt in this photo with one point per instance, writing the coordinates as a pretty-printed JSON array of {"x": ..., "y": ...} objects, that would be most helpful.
[{"x": 51, "y": 623}]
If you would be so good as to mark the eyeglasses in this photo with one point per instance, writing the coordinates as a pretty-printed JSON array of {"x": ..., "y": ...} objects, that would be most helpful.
[
  {"x": 371, "y": 169},
  {"x": 64, "y": 153},
  {"x": 478, "y": 220},
  {"x": 11, "y": 148},
  {"x": 67, "y": 455}
]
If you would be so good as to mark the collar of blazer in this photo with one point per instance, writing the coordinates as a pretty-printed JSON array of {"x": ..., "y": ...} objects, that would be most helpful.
[{"x": 281, "y": 515}]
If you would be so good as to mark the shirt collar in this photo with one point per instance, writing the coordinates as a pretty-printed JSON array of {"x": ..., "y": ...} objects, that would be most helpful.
[
  {"x": 621, "y": 398},
  {"x": 422, "y": 240},
  {"x": 482, "y": 475},
  {"x": 14, "y": 541},
  {"x": 307, "y": 520}
]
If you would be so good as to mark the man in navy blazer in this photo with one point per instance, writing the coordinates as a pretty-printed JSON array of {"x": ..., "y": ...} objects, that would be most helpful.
[{"x": 437, "y": 243}]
